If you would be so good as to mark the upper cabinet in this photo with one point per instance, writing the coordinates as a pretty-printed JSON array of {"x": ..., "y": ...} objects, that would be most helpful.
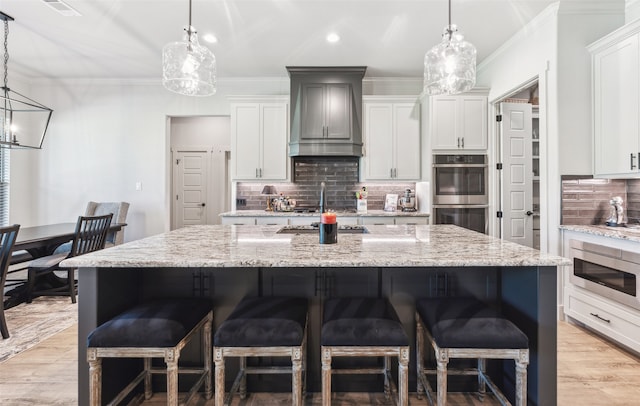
[
  {"x": 458, "y": 122},
  {"x": 326, "y": 111},
  {"x": 615, "y": 61},
  {"x": 259, "y": 138},
  {"x": 392, "y": 138}
]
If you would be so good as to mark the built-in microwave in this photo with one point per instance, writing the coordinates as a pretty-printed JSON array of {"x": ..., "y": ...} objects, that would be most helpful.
[
  {"x": 607, "y": 271},
  {"x": 460, "y": 179}
]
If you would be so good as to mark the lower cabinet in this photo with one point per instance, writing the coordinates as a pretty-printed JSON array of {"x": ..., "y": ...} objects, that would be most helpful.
[
  {"x": 600, "y": 314},
  {"x": 342, "y": 220}
]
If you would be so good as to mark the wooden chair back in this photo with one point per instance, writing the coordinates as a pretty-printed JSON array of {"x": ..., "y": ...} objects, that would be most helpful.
[
  {"x": 91, "y": 234},
  {"x": 7, "y": 240}
]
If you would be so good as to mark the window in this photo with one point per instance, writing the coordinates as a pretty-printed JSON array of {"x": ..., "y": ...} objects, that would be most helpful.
[{"x": 4, "y": 186}]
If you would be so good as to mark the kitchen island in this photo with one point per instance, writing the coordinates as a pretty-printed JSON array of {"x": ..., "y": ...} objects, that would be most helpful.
[{"x": 401, "y": 262}]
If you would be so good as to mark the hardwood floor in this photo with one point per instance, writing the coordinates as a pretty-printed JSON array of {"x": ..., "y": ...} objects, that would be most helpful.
[{"x": 591, "y": 372}]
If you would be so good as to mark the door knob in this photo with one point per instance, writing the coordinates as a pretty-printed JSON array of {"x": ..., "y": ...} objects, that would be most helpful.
[
  {"x": 529, "y": 213},
  {"x": 202, "y": 204}
]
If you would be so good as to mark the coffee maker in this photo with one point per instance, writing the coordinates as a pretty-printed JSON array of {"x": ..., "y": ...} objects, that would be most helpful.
[{"x": 407, "y": 201}]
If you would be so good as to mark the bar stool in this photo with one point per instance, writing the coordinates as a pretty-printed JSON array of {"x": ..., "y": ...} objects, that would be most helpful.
[
  {"x": 364, "y": 327},
  {"x": 157, "y": 329},
  {"x": 467, "y": 328},
  {"x": 263, "y": 327}
]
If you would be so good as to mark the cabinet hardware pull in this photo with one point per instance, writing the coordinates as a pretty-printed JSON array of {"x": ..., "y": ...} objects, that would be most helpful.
[
  {"x": 391, "y": 173},
  {"x": 601, "y": 318},
  {"x": 256, "y": 172},
  {"x": 462, "y": 142},
  {"x": 260, "y": 172},
  {"x": 395, "y": 172},
  {"x": 458, "y": 142},
  {"x": 631, "y": 161}
]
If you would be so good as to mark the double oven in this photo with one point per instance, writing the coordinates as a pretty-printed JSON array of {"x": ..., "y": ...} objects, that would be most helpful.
[{"x": 460, "y": 191}]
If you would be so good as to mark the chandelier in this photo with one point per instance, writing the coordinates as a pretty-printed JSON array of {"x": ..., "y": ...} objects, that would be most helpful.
[
  {"x": 23, "y": 121},
  {"x": 450, "y": 66},
  {"x": 189, "y": 68}
]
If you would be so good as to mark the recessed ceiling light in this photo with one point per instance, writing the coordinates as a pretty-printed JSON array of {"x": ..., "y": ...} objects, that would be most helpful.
[
  {"x": 210, "y": 38},
  {"x": 333, "y": 38}
]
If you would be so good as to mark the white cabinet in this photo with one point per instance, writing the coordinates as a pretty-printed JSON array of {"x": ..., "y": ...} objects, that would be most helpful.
[
  {"x": 615, "y": 61},
  {"x": 392, "y": 139},
  {"x": 458, "y": 122},
  {"x": 259, "y": 131}
]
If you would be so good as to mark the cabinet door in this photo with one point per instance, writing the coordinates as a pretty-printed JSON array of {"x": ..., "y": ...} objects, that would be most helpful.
[
  {"x": 406, "y": 133},
  {"x": 338, "y": 111},
  {"x": 616, "y": 108},
  {"x": 245, "y": 133},
  {"x": 444, "y": 134},
  {"x": 313, "y": 110},
  {"x": 274, "y": 125},
  {"x": 473, "y": 122},
  {"x": 379, "y": 140}
]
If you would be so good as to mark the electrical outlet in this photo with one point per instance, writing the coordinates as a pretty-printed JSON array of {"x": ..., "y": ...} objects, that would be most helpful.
[{"x": 241, "y": 202}]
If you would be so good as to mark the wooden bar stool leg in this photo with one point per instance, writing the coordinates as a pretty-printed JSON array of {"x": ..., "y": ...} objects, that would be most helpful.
[
  {"x": 387, "y": 373},
  {"x": 482, "y": 368},
  {"x": 419, "y": 360},
  {"x": 207, "y": 354},
  {"x": 95, "y": 378},
  {"x": 326, "y": 377},
  {"x": 403, "y": 377},
  {"x": 296, "y": 378},
  {"x": 521, "y": 383},
  {"x": 171, "y": 359},
  {"x": 219, "y": 385},
  {"x": 243, "y": 379},
  {"x": 443, "y": 360},
  {"x": 148, "y": 392}
]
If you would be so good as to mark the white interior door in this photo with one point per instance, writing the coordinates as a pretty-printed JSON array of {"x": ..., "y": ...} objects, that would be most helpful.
[
  {"x": 517, "y": 175},
  {"x": 190, "y": 187}
]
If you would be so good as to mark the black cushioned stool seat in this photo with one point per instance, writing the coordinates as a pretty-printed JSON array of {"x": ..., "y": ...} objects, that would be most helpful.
[
  {"x": 158, "y": 328},
  {"x": 467, "y": 328},
  {"x": 262, "y": 327},
  {"x": 363, "y": 327}
]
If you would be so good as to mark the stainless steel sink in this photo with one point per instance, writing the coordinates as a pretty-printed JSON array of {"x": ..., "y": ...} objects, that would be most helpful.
[{"x": 314, "y": 230}]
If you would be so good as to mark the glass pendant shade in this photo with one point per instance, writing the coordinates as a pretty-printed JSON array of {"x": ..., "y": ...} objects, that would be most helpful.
[
  {"x": 450, "y": 66},
  {"x": 189, "y": 68}
]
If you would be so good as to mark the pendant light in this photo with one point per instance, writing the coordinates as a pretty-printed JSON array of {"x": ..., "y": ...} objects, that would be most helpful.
[
  {"x": 23, "y": 121},
  {"x": 450, "y": 66},
  {"x": 189, "y": 68}
]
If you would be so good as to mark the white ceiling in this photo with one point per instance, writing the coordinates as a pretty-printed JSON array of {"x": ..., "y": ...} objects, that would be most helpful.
[{"x": 124, "y": 38}]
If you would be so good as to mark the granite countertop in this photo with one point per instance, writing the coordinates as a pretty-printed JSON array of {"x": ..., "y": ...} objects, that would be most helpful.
[
  {"x": 369, "y": 213},
  {"x": 262, "y": 246},
  {"x": 624, "y": 233}
]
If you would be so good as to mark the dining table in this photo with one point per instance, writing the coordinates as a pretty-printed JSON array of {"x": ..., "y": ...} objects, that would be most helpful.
[{"x": 36, "y": 242}]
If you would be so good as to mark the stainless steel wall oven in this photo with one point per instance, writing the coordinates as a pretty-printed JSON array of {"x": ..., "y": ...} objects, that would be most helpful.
[
  {"x": 460, "y": 191},
  {"x": 607, "y": 271}
]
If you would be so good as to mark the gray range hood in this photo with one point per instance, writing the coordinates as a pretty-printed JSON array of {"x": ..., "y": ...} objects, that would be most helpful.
[{"x": 326, "y": 110}]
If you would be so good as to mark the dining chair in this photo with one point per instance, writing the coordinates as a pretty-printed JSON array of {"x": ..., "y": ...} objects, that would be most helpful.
[
  {"x": 119, "y": 211},
  {"x": 90, "y": 235},
  {"x": 7, "y": 240}
]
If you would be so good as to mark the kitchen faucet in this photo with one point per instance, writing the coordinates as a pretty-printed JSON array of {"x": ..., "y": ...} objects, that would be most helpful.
[{"x": 323, "y": 197}]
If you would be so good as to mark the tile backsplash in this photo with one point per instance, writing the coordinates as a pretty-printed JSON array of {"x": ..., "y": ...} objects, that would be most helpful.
[
  {"x": 585, "y": 200},
  {"x": 340, "y": 175}
]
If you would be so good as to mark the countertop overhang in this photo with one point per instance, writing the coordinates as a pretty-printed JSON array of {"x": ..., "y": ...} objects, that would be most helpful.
[{"x": 261, "y": 246}]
